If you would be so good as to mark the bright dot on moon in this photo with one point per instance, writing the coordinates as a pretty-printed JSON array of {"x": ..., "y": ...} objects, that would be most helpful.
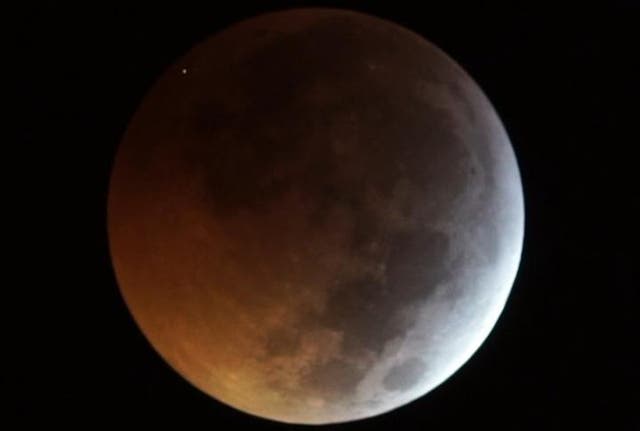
[{"x": 184, "y": 71}]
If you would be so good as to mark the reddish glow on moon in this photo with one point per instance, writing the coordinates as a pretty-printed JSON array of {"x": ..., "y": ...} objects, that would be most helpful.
[{"x": 319, "y": 219}]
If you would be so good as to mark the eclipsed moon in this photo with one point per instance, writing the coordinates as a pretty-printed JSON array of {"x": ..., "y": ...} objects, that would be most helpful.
[{"x": 315, "y": 216}]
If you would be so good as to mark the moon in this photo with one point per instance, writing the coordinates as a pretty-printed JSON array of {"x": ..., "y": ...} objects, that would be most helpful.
[{"x": 315, "y": 216}]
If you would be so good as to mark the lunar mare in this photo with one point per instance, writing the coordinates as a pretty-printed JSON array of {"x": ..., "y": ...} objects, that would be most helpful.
[{"x": 315, "y": 216}]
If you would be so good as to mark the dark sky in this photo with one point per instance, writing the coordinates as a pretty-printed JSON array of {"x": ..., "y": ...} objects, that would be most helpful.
[{"x": 564, "y": 83}]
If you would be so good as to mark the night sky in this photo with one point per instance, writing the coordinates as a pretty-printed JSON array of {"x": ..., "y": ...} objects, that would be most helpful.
[{"x": 561, "y": 356}]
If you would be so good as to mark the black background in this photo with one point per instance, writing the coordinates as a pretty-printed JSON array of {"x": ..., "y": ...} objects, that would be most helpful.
[{"x": 563, "y": 81}]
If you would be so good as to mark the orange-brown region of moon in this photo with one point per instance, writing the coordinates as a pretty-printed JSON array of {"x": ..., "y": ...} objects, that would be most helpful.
[{"x": 315, "y": 216}]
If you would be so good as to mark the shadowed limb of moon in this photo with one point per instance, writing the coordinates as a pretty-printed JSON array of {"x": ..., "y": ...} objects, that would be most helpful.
[{"x": 315, "y": 216}]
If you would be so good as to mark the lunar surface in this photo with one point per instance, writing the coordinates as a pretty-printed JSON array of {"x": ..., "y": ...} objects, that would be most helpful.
[{"x": 315, "y": 216}]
